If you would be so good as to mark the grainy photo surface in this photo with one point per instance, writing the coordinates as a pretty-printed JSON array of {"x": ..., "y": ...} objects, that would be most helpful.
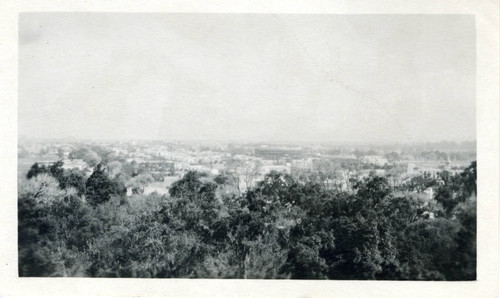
[{"x": 247, "y": 146}]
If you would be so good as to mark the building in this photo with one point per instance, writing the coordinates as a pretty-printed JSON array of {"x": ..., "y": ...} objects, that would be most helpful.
[{"x": 74, "y": 164}]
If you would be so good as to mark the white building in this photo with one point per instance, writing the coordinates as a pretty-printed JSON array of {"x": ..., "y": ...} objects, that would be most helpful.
[{"x": 74, "y": 164}]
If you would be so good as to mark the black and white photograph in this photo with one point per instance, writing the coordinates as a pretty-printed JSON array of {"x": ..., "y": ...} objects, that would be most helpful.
[{"x": 248, "y": 146}]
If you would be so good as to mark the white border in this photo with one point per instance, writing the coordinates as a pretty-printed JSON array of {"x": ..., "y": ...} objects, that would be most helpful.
[{"x": 487, "y": 24}]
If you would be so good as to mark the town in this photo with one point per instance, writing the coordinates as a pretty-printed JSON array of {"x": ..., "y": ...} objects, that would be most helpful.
[{"x": 160, "y": 163}]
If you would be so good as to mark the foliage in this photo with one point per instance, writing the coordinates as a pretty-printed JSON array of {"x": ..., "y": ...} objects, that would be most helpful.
[
  {"x": 100, "y": 187},
  {"x": 420, "y": 183},
  {"x": 87, "y": 155},
  {"x": 280, "y": 228},
  {"x": 72, "y": 178},
  {"x": 139, "y": 182}
]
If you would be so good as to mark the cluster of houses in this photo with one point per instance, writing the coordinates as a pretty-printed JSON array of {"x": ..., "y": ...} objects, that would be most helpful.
[{"x": 169, "y": 162}]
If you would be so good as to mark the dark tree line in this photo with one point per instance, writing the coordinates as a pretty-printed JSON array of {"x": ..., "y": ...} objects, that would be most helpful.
[{"x": 281, "y": 228}]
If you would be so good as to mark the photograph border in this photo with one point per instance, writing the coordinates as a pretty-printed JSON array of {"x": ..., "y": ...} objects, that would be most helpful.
[{"x": 487, "y": 133}]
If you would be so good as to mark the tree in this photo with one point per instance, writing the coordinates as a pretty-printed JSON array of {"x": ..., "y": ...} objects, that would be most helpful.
[
  {"x": 87, "y": 155},
  {"x": 395, "y": 175},
  {"x": 275, "y": 186},
  {"x": 466, "y": 239},
  {"x": 91, "y": 158},
  {"x": 115, "y": 168},
  {"x": 468, "y": 180},
  {"x": 280, "y": 228},
  {"x": 251, "y": 172},
  {"x": 100, "y": 188},
  {"x": 189, "y": 184},
  {"x": 43, "y": 189},
  {"x": 57, "y": 171},
  {"x": 455, "y": 189},
  {"x": 35, "y": 170},
  {"x": 373, "y": 188},
  {"x": 392, "y": 157},
  {"x": 139, "y": 182},
  {"x": 420, "y": 183},
  {"x": 66, "y": 178},
  {"x": 74, "y": 178},
  {"x": 51, "y": 229}
]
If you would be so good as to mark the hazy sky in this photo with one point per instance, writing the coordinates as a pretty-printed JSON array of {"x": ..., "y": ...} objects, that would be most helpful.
[{"x": 247, "y": 77}]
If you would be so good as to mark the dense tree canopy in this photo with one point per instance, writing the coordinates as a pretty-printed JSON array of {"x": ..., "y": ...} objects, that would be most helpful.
[{"x": 281, "y": 228}]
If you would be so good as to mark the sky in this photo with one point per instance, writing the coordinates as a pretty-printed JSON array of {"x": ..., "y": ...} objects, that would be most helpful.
[{"x": 247, "y": 77}]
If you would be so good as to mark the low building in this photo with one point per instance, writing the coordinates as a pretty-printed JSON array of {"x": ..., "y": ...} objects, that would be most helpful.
[{"x": 74, "y": 164}]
